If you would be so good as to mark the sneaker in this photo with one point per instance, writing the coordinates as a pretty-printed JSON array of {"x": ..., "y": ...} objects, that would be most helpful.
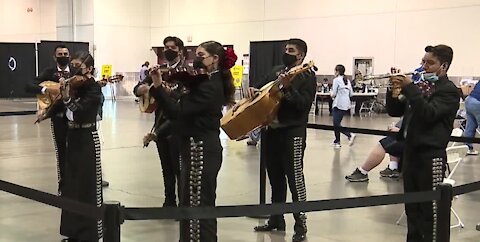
[
  {"x": 351, "y": 140},
  {"x": 336, "y": 145},
  {"x": 390, "y": 173},
  {"x": 472, "y": 152},
  {"x": 357, "y": 176}
]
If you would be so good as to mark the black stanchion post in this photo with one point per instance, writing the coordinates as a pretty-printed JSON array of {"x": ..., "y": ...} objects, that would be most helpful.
[
  {"x": 443, "y": 212},
  {"x": 112, "y": 222},
  {"x": 263, "y": 174}
]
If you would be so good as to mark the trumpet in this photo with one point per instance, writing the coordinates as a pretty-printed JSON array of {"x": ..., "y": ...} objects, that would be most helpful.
[{"x": 396, "y": 89}]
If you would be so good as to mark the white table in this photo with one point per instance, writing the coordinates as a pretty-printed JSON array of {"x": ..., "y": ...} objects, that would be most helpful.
[{"x": 326, "y": 95}]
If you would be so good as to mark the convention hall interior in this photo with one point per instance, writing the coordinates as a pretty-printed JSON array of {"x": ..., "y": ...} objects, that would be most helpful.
[{"x": 348, "y": 188}]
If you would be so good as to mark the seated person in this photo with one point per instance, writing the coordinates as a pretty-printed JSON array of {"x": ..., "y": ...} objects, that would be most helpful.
[
  {"x": 388, "y": 145},
  {"x": 324, "y": 87}
]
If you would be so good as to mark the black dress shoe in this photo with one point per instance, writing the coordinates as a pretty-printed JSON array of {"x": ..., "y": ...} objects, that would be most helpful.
[
  {"x": 297, "y": 237},
  {"x": 69, "y": 240},
  {"x": 169, "y": 204},
  {"x": 105, "y": 183},
  {"x": 269, "y": 227}
]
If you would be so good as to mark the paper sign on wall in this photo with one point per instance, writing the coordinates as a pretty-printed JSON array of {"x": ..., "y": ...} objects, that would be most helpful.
[
  {"x": 106, "y": 70},
  {"x": 237, "y": 73}
]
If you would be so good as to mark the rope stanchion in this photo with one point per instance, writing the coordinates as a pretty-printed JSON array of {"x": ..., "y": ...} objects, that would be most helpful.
[
  {"x": 52, "y": 200},
  {"x": 18, "y": 113},
  {"x": 382, "y": 132},
  {"x": 112, "y": 222},
  {"x": 444, "y": 205},
  {"x": 181, "y": 213},
  {"x": 466, "y": 188}
]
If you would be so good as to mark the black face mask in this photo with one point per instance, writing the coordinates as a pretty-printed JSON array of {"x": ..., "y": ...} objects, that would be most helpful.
[
  {"x": 198, "y": 63},
  {"x": 76, "y": 71},
  {"x": 170, "y": 55},
  {"x": 63, "y": 60},
  {"x": 288, "y": 60}
]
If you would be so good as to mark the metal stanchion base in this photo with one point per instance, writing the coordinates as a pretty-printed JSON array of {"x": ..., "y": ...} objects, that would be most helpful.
[{"x": 478, "y": 227}]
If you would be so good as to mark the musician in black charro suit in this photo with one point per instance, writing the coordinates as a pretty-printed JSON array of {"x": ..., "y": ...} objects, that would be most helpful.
[
  {"x": 167, "y": 143},
  {"x": 285, "y": 138},
  {"x": 57, "y": 112}
]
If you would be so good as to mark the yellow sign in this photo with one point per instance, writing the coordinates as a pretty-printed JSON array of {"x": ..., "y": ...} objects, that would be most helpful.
[
  {"x": 237, "y": 73},
  {"x": 106, "y": 70}
]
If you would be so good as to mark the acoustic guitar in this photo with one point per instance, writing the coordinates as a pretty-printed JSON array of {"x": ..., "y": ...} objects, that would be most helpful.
[
  {"x": 260, "y": 110},
  {"x": 146, "y": 102}
]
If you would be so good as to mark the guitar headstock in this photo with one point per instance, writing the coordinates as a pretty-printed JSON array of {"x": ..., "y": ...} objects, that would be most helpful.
[{"x": 302, "y": 68}]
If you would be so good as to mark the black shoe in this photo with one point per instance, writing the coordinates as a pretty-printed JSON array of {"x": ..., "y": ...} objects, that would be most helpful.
[
  {"x": 357, "y": 176},
  {"x": 169, "y": 204},
  {"x": 269, "y": 227},
  {"x": 300, "y": 236},
  {"x": 105, "y": 183},
  {"x": 390, "y": 173},
  {"x": 69, "y": 240}
]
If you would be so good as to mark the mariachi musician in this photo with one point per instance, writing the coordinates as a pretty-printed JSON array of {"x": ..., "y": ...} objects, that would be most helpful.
[
  {"x": 167, "y": 144},
  {"x": 285, "y": 137},
  {"x": 56, "y": 111}
]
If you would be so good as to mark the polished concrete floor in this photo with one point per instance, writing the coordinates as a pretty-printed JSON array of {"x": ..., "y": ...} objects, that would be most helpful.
[{"x": 134, "y": 173}]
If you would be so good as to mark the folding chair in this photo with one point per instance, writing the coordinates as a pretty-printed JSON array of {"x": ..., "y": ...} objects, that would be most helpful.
[{"x": 455, "y": 155}]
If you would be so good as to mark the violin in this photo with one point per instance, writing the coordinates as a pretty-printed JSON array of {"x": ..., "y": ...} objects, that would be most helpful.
[{"x": 183, "y": 73}]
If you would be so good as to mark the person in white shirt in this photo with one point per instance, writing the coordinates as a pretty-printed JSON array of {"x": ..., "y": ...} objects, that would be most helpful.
[{"x": 341, "y": 93}]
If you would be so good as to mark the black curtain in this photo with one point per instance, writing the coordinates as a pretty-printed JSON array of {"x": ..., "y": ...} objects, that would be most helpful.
[
  {"x": 264, "y": 55},
  {"x": 46, "y": 51},
  {"x": 17, "y": 68}
]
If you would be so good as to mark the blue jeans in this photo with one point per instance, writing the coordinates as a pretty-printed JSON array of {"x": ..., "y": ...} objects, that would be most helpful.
[
  {"x": 472, "y": 106},
  {"x": 337, "y": 120}
]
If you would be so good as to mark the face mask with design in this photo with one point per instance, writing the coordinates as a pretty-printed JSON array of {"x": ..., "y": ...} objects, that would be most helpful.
[
  {"x": 288, "y": 60},
  {"x": 430, "y": 77}
]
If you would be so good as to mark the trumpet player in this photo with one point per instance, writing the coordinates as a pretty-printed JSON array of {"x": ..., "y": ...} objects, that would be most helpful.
[{"x": 429, "y": 109}]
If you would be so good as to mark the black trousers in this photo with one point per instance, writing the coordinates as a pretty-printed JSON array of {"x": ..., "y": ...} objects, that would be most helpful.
[
  {"x": 59, "y": 133},
  {"x": 168, "y": 150},
  {"x": 422, "y": 171},
  {"x": 284, "y": 161},
  {"x": 201, "y": 159},
  {"x": 83, "y": 183}
]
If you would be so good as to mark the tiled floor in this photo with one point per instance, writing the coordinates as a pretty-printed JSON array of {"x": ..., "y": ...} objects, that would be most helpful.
[{"x": 134, "y": 173}]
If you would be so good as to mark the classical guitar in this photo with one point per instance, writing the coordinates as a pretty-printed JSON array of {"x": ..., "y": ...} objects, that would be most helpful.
[{"x": 261, "y": 110}]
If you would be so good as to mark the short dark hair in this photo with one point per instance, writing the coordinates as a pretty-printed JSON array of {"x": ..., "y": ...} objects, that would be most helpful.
[
  {"x": 300, "y": 44},
  {"x": 444, "y": 53},
  {"x": 60, "y": 46},
  {"x": 178, "y": 42}
]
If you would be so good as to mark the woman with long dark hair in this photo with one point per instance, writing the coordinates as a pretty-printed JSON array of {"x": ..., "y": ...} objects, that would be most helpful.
[
  {"x": 83, "y": 172},
  {"x": 196, "y": 118},
  {"x": 341, "y": 93}
]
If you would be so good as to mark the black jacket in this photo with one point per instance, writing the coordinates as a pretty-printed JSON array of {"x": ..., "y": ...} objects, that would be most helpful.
[
  {"x": 297, "y": 102},
  {"x": 197, "y": 113},
  {"x": 86, "y": 102},
  {"x": 428, "y": 121},
  {"x": 49, "y": 74}
]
